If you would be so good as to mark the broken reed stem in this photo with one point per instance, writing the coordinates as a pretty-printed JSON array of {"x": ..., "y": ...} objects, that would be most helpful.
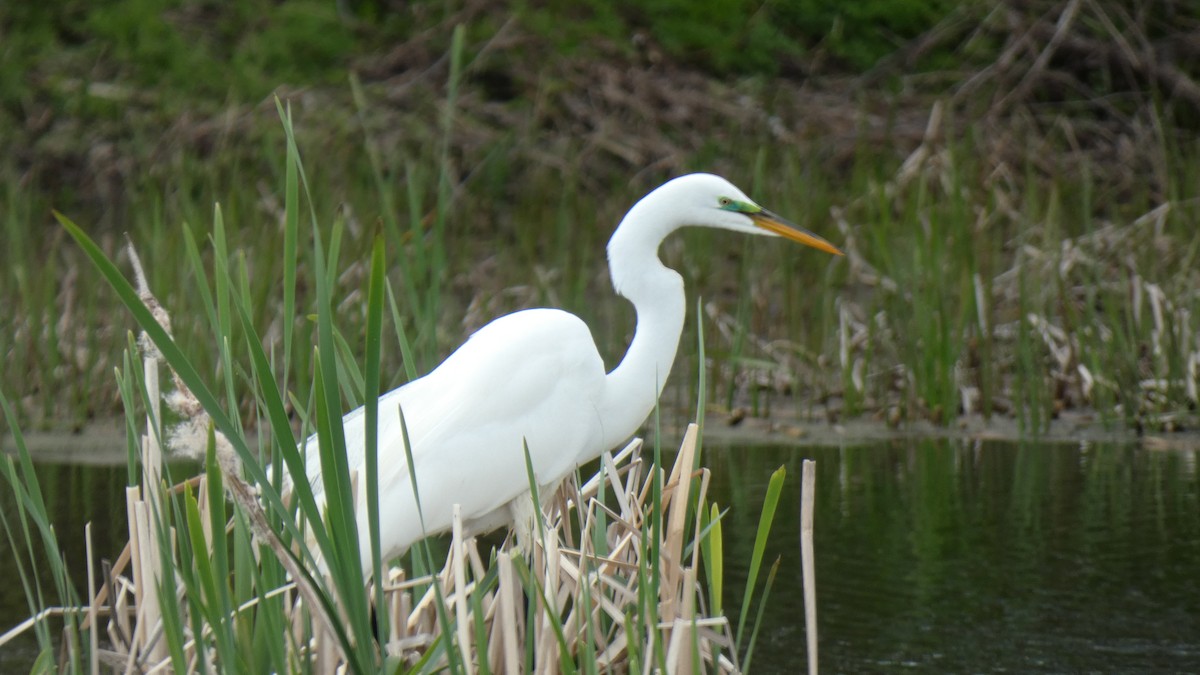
[
  {"x": 807, "y": 498},
  {"x": 152, "y": 508},
  {"x": 681, "y": 480},
  {"x": 460, "y": 588},
  {"x": 93, "y": 628}
]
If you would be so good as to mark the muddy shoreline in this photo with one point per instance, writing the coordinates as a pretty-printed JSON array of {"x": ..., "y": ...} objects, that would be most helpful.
[{"x": 103, "y": 443}]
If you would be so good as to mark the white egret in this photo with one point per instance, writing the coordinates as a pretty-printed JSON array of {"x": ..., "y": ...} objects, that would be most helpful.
[{"x": 536, "y": 377}]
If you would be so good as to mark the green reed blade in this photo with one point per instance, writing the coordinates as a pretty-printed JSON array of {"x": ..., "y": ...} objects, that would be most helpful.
[
  {"x": 374, "y": 350},
  {"x": 770, "y": 504},
  {"x": 713, "y": 549},
  {"x": 406, "y": 352},
  {"x": 196, "y": 264},
  {"x": 762, "y": 604}
]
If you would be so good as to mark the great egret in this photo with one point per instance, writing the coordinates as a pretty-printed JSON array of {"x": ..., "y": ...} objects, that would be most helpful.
[{"x": 536, "y": 377}]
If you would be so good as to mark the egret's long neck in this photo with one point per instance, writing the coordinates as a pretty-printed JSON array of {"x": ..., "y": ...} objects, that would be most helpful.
[{"x": 656, "y": 291}]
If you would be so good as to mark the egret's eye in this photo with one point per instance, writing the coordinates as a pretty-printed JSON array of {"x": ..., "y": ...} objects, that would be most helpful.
[{"x": 724, "y": 201}]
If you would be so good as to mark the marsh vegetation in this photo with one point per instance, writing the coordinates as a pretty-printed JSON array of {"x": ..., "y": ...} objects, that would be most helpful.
[
  {"x": 1020, "y": 226},
  {"x": 1017, "y": 187}
]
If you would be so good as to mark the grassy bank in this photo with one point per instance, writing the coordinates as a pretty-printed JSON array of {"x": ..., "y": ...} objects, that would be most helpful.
[
  {"x": 973, "y": 284},
  {"x": 1017, "y": 260}
]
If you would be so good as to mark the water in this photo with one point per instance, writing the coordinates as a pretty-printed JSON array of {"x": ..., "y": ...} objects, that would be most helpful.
[
  {"x": 943, "y": 557},
  {"x": 931, "y": 556},
  {"x": 75, "y": 494}
]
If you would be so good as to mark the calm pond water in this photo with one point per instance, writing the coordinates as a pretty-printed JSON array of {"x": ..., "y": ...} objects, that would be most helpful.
[
  {"x": 948, "y": 557},
  {"x": 932, "y": 556}
]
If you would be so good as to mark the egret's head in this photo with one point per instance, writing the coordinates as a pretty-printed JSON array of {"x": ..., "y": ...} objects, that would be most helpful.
[{"x": 712, "y": 201}]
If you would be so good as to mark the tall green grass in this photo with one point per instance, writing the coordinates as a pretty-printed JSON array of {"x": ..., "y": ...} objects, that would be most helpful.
[{"x": 231, "y": 571}]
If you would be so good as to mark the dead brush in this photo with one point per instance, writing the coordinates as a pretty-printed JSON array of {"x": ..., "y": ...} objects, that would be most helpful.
[{"x": 577, "y": 594}]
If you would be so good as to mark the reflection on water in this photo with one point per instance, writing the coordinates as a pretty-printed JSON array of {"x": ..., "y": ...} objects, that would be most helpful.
[
  {"x": 75, "y": 494},
  {"x": 939, "y": 556},
  {"x": 932, "y": 556}
]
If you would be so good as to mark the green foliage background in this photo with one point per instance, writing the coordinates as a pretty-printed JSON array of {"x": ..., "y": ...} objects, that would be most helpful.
[{"x": 198, "y": 49}]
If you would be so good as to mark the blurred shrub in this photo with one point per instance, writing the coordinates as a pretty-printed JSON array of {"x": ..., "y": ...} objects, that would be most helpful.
[{"x": 748, "y": 36}]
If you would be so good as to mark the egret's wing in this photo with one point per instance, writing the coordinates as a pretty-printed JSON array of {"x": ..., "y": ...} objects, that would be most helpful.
[{"x": 531, "y": 377}]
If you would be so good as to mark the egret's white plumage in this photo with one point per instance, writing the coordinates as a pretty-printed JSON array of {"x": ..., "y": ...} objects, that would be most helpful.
[{"x": 536, "y": 377}]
